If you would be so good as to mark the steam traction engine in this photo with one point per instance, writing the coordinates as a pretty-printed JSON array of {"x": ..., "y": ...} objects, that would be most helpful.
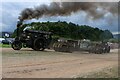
[{"x": 37, "y": 40}]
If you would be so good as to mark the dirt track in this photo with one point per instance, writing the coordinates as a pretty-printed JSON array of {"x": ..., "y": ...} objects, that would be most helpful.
[{"x": 50, "y": 64}]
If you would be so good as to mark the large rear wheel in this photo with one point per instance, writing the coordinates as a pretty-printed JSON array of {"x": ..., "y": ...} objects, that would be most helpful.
[
  {"x": 39, "y": 44},
  {"x": 16, "y": 45}
]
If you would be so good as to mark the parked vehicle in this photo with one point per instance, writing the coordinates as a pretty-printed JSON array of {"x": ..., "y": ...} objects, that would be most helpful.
[{"x": 5, "y": 42}]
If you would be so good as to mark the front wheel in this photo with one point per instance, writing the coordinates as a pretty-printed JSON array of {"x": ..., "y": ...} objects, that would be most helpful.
[{"x": 16, "y": 45}]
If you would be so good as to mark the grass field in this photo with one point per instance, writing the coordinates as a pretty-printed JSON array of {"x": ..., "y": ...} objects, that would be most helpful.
[
  {"x": 109, "y": 72},
  {"x": 5, "y": 45}
]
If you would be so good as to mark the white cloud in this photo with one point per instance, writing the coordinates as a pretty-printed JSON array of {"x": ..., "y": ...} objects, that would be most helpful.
[
  {"x": 10, "y": 12},
  {"x": 26, "y": 0},
  {"x": 115, "y": 32}
]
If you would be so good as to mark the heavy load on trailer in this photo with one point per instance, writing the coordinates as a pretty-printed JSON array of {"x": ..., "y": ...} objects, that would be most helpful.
[
  {"x": 63, "y": 46},
  {"x": 37, "y": 40},
  {"x": 66, "y": 45},
  {"x": 99, "y": 48},
  {"x": 74, "y": 45}
]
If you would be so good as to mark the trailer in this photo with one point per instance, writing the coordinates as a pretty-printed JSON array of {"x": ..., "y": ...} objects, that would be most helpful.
[{"x": 81, "y": 45}]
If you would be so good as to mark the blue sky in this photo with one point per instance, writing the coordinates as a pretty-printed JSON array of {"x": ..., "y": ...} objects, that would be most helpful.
[{"x": 11, "y": 10}]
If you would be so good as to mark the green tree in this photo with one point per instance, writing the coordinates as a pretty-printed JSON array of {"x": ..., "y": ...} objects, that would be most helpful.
[
  {"x": 70, "y": 30},
  {"x": 106, "y": 35}
]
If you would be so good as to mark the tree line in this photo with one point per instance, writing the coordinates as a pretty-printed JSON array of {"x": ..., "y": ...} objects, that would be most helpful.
[{"x": 70, "y": 30}]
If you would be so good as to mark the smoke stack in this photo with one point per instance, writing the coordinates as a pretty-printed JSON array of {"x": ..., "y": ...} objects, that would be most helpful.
[
  {"x": 19, "y": 23},
  {"x": 66, "y": 8}
]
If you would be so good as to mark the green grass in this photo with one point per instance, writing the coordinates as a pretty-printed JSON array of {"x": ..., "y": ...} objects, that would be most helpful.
[
  {"x": 5, "y": 46},
  {"x": 110, "y": 72}
]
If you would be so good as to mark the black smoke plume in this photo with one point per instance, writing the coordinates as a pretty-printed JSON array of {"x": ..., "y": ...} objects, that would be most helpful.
[{"x": 66, "y": 8}]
